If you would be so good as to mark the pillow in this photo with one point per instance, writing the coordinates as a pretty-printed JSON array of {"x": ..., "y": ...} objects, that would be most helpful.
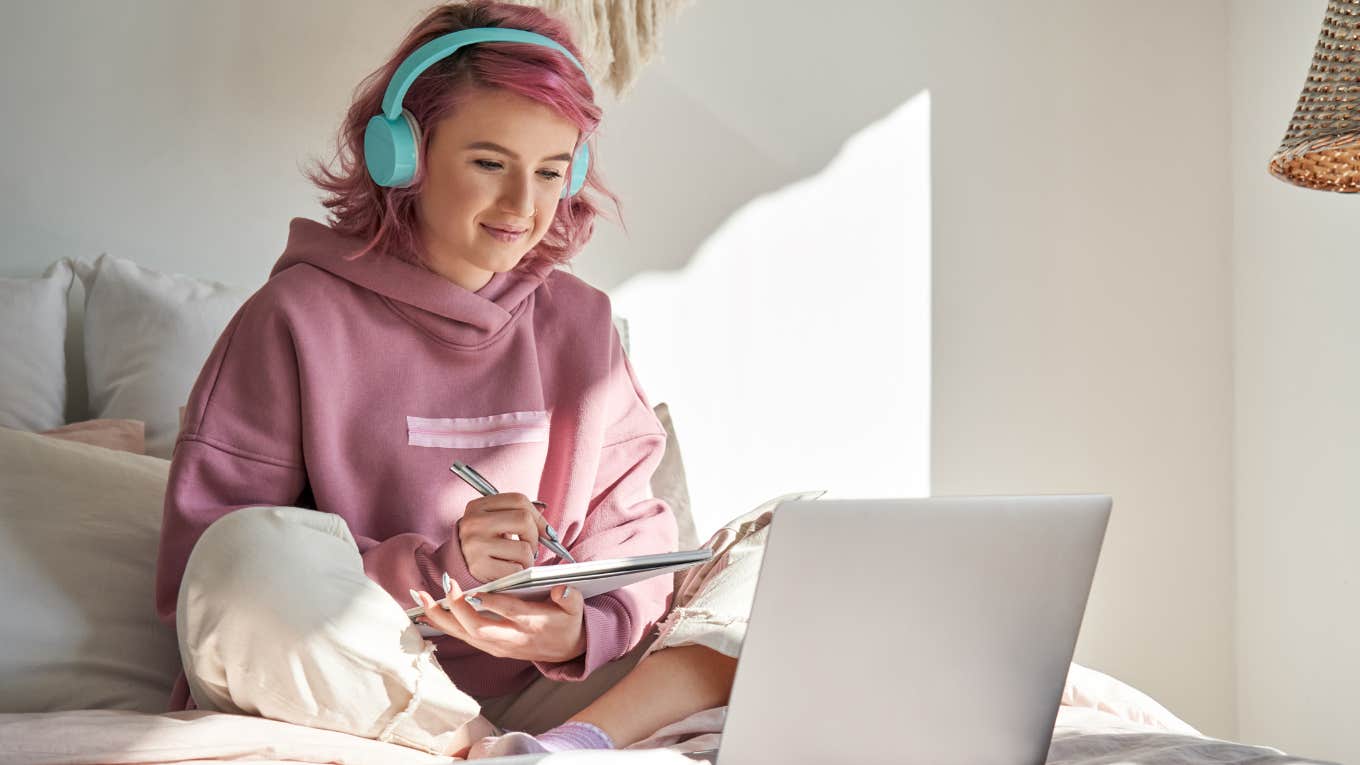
[
  {"x": 79, "y": 525},
  {"x": 33, "y": 336},
  {"x": 668, "y": 482},
  {"x": 1088, "y": 688},
  {"x": 147, "y": 335},
  {"x": 119, "y": 435}
]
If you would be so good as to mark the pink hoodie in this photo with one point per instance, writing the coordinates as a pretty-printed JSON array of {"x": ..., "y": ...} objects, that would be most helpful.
[{"x": 351, "y": 386}]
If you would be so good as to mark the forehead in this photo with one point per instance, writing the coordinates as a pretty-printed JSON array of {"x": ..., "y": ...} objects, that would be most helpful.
[{"x": 509, "y": 119}]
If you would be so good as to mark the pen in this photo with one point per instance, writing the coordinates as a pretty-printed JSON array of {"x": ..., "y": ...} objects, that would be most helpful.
[{"x": 483, "y": 486}]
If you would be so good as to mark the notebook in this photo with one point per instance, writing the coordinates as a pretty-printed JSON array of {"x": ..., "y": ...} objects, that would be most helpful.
[{"x": 592, "y": 577}]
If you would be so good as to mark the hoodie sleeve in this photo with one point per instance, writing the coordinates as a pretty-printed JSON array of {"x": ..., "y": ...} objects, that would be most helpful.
[
  {"x": 623, "y": 519},
  {"x": 240, "y": 445}
]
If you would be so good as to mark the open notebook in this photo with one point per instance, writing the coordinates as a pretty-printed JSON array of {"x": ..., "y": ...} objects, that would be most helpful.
[{"x": 591, "y": 577}]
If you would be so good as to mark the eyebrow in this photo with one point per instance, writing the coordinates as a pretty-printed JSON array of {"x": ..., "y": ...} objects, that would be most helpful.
[{"x": 489, "y": 146}]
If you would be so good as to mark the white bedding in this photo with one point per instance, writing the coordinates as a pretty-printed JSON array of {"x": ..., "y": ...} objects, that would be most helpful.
[{"x": 1082, "y": 736}]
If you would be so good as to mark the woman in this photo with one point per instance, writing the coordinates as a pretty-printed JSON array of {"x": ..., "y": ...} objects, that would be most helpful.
[{"x": 310, "y": 497}]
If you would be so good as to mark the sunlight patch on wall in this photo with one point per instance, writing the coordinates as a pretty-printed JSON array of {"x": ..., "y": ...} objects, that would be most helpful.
[{"x": 794, "y": 349}]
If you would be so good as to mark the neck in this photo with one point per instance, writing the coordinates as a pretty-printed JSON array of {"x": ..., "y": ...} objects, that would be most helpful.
[
  {"x": 455, "y": 269},
  {"x": 466, "y": 276}
]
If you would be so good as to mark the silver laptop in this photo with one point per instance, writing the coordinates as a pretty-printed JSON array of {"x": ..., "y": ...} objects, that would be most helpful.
[{"x": 930, "y": 631}]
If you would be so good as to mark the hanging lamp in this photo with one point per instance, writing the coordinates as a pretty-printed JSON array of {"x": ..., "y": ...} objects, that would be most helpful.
[{"x": 1321, "y": 148}]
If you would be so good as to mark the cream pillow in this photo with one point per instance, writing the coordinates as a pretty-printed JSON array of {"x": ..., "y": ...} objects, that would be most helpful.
[
  {"x": 33, "y": 336},
  {"x": 79, "y": 526}
]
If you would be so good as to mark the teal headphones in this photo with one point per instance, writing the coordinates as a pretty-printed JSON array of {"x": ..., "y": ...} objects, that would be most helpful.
[{"x": 392, "y": 139}]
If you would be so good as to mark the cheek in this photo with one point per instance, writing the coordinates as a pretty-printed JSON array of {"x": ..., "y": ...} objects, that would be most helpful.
[{"x": 452, "y": 194}]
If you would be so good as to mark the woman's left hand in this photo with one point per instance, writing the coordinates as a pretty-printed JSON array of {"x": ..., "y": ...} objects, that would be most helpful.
[{"x": 550, "y": 631}]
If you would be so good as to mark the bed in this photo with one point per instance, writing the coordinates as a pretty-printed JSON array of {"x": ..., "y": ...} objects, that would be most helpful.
[{"x": 88, "y": 417}]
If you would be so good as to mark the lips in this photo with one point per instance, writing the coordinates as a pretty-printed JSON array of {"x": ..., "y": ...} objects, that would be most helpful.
[
  {"x": 505, "y": 229},
  {"x": 505, "y": 236}
]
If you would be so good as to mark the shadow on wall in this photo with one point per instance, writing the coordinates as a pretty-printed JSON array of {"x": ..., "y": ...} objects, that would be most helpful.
[{"x": 794, "y": 348}]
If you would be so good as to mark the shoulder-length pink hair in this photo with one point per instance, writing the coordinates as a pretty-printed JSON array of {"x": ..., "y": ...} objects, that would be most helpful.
[{"x": 386, "y": 218}]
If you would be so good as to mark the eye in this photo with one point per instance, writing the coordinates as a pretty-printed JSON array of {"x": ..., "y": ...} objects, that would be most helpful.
[
  {"x": 487, "y": 164},
  {"x": 551, "y": 175}
]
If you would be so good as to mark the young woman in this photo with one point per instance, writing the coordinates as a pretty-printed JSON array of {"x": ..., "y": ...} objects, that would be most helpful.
[{"x": 310, "y": 499}]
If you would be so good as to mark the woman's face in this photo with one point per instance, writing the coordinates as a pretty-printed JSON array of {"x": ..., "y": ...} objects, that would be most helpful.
[{"x": 494, "y": 173}]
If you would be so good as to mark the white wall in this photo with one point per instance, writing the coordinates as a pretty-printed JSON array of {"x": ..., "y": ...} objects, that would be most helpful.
[
  {"x": 1081, "y": 216},
  {"x": 795, "y": 345},
  {"x": 1298, "y": 427},
  {"x": 1082, "y": 293},
  {"x": 1081, "y": 268}
]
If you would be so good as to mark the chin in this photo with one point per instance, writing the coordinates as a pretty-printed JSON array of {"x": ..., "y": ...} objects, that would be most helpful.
[{"x": 500, "y": 265}]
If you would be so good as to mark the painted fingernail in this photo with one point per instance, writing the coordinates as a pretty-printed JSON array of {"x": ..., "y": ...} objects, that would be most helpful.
[
  {"x": 447, "y": 582},
  {"x": 552, "y": 532},
  {"x": 566, "y": 591},
  {"x": 475, "y": 602},
  {"x": 415, "y": 596}
]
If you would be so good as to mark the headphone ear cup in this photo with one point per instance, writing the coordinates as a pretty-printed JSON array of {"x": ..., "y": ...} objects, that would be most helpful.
[
  {"x": 580, "y": 165},
  {"x": 392, "y": 149}
]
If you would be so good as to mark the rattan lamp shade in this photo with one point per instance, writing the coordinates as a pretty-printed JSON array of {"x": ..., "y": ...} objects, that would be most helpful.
[{"x": 1321, "y": 149}]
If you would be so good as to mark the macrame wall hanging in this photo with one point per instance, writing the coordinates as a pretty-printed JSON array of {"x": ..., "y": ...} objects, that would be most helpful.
[{"x": 617, "y": 37}]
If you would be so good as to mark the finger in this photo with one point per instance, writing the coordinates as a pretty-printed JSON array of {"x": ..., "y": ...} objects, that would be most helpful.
[
  {"x": 502, "y": 523},
  {"x": 498, "y": 636},
  {"x": 508, "y": 606},
  {"x": 512, "y": 551},
  {"x": 491, "y": 569},
  {"x": 496, "y": 503},
  {"x": 540, "y": 517},
  {"x": 464, "y": 617},
  {"x": 568, "y": 598},
  {"x": 528, "y": 516},
  {"x": 437, "y": 616}
]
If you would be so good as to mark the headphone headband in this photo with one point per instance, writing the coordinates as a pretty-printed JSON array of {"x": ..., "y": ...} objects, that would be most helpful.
[
  {"x": 392, "y": 138},
  {"x": 446, "y": 45}
]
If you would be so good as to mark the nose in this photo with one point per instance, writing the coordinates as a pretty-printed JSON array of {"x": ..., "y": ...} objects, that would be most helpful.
[{"x": 517, "y": 196}]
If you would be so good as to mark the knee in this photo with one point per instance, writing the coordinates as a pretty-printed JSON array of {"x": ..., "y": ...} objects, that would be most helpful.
[
  {"x": 258, "y": 563},
  {"x": 253, "y": 535}
]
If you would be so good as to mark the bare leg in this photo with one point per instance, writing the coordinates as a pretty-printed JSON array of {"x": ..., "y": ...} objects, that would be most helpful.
[{"x": 664, "y": 688}]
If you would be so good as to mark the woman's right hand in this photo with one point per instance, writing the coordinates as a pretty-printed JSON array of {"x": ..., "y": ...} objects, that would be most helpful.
[{"x": 499, "y": 535}]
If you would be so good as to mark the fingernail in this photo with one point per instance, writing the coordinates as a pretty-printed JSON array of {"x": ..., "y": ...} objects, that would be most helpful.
[
  {"x": 552, "y": 532},
  {"x": 447, "y": 581},
  {"x": 473, "y": 601},
  {"x": 566, "y": 592},
  {"x": 416, "y": 597},
  {"x": 540, "y": 505}
]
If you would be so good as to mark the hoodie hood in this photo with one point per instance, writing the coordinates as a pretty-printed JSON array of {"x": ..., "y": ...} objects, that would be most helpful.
[{"x": 452, "y": 313}]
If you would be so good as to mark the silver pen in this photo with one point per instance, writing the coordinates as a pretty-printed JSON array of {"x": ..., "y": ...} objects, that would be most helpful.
[{"x": 484, "y": 487}]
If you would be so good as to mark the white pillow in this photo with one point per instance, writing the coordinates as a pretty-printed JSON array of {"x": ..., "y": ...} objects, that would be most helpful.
[
  {"x": 33, "y": 359},
  {"x": 147, "y": 335},
  {"x": 79, "y": 525}
]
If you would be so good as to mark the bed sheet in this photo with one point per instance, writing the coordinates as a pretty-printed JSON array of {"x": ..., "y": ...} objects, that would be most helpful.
[{"x": 1082, "y": 736}]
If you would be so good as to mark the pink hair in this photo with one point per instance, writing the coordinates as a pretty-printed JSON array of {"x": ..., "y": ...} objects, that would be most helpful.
[{"x": 387, "y": 217}]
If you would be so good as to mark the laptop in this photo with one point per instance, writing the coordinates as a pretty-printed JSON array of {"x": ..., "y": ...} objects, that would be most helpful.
[{"x": 934, "y": 630}]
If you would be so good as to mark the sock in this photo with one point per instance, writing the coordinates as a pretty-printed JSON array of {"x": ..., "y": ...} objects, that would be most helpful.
[
  {"x": 575, "y": 735},
  {"x": 572, "y": 735}
]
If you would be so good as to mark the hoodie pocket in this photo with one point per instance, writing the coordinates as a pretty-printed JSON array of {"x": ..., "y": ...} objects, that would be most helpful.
[{"x": 475, "y": 432}]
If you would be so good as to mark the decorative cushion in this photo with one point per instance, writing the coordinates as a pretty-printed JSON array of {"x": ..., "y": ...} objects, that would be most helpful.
[
  {"x": 79, "y": 525},
  {"x": 33, "y": 339},
  {"x": 147, "y": 335},
  {"x": 120, "y": 435}
]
